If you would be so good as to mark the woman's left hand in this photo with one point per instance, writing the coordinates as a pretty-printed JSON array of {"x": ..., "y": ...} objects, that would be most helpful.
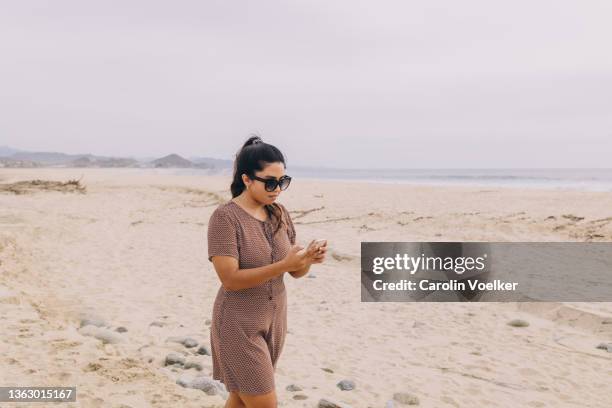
[{"x": 319, "y": 255}]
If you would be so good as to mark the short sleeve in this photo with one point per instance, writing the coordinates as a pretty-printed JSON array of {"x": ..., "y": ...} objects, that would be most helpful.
[
  {"x": 290, "y": 226},
  {"x": 222, "y": 235}
]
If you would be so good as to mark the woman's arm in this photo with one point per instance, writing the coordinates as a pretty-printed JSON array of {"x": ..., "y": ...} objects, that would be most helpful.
[
  {"x": 233, "y": 278},
  {"x": 300, "y": 272}
]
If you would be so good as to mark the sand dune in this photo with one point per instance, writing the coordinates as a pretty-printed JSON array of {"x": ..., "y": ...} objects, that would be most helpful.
[{"x": 98, "y": 289}]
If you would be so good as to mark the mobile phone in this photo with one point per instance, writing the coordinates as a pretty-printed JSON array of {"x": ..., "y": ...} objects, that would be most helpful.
[{"x": 320, "y": 242}]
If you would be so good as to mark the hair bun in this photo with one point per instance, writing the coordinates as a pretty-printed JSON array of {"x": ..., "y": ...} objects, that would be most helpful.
[{"x": 253, "y": 140}]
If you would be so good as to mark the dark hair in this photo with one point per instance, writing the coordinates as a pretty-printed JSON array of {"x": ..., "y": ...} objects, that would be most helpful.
[{"x": 254, "y": 155}]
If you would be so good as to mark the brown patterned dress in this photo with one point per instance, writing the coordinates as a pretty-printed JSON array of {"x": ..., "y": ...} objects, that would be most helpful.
[{"x": 248, "y": 325}]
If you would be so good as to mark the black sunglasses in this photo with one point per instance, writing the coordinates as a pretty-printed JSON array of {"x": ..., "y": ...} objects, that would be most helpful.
[{"x": 271, "y": 183}]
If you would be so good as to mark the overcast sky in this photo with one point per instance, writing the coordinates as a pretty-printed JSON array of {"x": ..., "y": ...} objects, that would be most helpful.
[{"x": 330, "y": 83}]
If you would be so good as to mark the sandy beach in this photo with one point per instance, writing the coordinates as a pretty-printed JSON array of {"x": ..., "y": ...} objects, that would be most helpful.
[{"x": 128, "y": 256}]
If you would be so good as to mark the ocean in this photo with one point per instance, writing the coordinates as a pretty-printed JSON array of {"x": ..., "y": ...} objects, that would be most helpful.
[{"x": 556, "y": 179}]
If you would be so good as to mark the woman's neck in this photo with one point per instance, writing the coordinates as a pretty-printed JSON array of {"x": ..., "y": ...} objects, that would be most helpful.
[{"x": 249, "y": 203}]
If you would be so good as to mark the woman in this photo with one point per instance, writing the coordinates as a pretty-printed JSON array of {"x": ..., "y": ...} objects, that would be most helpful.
[{"x": 251, "y": 243}]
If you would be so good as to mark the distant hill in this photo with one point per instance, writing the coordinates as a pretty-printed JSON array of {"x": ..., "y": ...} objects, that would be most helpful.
[
  {"x": 213, "y": 163},
  {"x": 172, "y": 160},
  {"x": 7, "y": 151},
  {"x": 6, "y": 162},
  {"x": 11, "y": 157},
  {"x": 85, "y": 161},
  {"x": 70, "y": 160},
  {"x": 49, "y": 158}
]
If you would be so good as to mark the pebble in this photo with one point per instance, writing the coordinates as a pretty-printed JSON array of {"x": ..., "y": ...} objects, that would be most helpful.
[
  {"x": 93, "y": 321},
  {"x": 325, "y": 403},
  {"x": 184, "y": 381},
  {"x": 293, "y": 388},
  {"x": 405, "y": 398},
  {"x": 190, "y": 343},
  {"x": 185, "y": 341},
  {"x": 346, "y": 385},
  {"x": 203, "y": 351},
  {"x": 605, "y": 346},
  {"x": 518, "y": 323},
  {"x": 193, "y": 364},
  {"x": 105, "y": 335},
  {"x": 206, "y": 384},
  {"x": 174, "y": 358}
]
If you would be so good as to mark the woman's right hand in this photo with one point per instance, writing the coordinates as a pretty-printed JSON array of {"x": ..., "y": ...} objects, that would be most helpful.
[{"x": 295, "y": 261}]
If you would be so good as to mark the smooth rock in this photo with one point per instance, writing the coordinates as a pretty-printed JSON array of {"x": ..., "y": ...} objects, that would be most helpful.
[
  {"x": 293, "y": 388},
  {"x": 93, "y": 321},
  {"x": 346, "y": 385},
  {"x": 208, "y": 385},
  {"x": 193, "y": 364},
  {"x": 174, "y": 358},
  {"x": 405, "y": 398},
  {"x": 105, "y": 335},
  {"x": 185, "y": 341},
  {"x": 518, "y": 323},
  {"x": 203, "y": 350},
  {"x": 325, "y": 403}
]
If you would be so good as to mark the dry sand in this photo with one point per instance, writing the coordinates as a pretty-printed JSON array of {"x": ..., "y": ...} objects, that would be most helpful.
[{"x": 132, "y": 251}]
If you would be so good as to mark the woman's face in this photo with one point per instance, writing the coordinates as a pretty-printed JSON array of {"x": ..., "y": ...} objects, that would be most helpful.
[{"x": 257, "y": 188}]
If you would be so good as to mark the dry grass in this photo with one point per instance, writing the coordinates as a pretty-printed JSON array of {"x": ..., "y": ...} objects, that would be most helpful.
[{"x": 33, "y": 186}]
